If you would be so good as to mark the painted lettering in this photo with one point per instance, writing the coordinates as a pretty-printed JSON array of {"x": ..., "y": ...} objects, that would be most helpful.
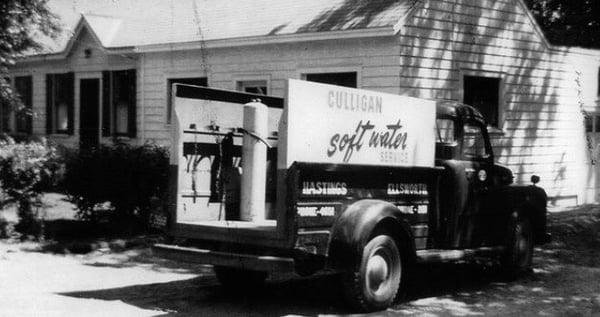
[
  {"x": 316, "y": 211},
  {"x": 324, "y": 188},
  {"x": 331, "y": 99},
  {"x": 354, "y": 101},
  {"x": 391, "y": 139},
  {"x": 407, "y": 189}
]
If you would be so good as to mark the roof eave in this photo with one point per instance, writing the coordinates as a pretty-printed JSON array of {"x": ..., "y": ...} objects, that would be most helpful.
[
  {"x": 271, "y": 39},
  {"x": 536, "y": 26},
  {"x": 64, "y": 54}
]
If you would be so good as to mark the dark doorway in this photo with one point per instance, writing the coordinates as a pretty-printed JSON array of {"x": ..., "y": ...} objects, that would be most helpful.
[{"x": 89, "y": 123}]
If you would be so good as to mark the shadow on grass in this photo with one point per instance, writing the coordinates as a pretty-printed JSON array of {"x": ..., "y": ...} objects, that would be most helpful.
[
  {"x": 448, "y": 289},
  {"x": 203, "y": 296}
]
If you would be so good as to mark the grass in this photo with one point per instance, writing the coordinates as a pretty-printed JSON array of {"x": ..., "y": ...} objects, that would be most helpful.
[{"x": 576, "y": 229}]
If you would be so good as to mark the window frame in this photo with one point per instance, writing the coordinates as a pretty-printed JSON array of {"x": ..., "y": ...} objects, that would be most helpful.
[
  {"x": 108, "y": 116},
  {"x": 598, "y": 83},
  {"x": 474, "y": 72},
  {"x": 241, "y": 84},
  {"x": 12, "y": 115},
  {"x": 302, "y": 72},
  {"x": 594, "y": 119},
  {"x": 168, "y": 80},
  {"x": 51, "y": 105},
  {"x": 29, "y": 119}
]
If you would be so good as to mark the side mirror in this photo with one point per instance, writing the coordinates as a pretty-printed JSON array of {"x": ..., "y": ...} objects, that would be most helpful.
[{"x": 535, "y": 179}]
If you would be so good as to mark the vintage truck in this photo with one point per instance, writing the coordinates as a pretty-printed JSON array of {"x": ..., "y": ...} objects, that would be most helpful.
[{"x": 358, "y": 183}]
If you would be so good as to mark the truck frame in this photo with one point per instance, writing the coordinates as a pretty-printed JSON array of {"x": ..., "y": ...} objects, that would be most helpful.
[{"x": 370, "y": 224}]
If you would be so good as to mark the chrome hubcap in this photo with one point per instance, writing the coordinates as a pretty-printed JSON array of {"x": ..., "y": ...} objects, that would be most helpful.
[
  {"x": 523, "y": 245},
  {"x": 377, "y": 272}
]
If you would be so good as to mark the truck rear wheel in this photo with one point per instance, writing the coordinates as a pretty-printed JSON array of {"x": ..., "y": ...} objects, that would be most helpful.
[
  {"x": 375, "y": 283},
  {"x": 519, "y": 252},
  {"x": 234, "y": 279}
]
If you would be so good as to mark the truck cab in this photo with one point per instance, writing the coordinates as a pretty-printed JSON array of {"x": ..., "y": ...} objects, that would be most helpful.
[
  {"x": 474, "y": 212},
  {"x": 432, "y": 191}
]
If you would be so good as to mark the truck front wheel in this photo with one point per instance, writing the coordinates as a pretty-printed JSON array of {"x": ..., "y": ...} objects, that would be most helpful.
[
  {"x": 374, "y": 284},
  {"x": 519, "y": 250},
  {"x": 234, "y": 279}
]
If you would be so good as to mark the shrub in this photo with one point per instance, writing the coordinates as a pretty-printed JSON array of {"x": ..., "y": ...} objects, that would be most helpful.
[
  {"x": 128, "y": 177},
  {"x": 26, "y": 170}
]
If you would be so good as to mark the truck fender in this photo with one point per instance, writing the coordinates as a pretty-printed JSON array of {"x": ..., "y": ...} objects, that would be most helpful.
[
  {"x": 356, "y": 226},
  {"x": 529, "y": 201}
]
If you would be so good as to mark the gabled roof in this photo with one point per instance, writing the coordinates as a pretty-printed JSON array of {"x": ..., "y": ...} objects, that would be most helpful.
[{"x": 149, "y": 24}]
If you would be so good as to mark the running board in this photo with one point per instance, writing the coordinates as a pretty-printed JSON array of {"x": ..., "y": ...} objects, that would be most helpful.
[
  {"x": 237, "y": 260},
  {"x": 441, "y": 255}
]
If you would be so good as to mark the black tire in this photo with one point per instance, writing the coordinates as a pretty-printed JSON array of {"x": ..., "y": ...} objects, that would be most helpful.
[
  {"x": 519, "y": 249},
  {"x": 234, "y": 279},
  {"x": 375, "y": 282}
]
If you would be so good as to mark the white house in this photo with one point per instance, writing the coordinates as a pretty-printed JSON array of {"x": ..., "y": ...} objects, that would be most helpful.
[{"x": 108, "y": 74}]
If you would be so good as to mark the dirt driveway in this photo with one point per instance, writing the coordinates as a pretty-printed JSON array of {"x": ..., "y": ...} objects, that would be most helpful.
[{"x": 565, "y": 282}]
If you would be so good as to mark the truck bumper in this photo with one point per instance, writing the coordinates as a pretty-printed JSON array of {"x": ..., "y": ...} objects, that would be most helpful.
[{"x": 236, "y": 260}]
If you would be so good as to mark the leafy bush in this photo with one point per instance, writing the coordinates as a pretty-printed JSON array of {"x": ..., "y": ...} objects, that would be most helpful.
[
  {"x": 128, "y": 177},
  {"x": 26, "y": 170}
]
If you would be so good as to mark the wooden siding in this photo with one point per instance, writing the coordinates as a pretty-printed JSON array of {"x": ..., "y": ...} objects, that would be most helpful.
[
  {"x": 544, "y": 88},
  {"x": 541, "y": 133},
  {"x": 375, "y": 61},
  {"x": 542, "y": 128},
  {"x": 82, "y": 67}
]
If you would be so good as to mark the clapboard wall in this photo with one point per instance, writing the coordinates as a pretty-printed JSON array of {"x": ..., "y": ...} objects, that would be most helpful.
[
  {"x": 541, "y": 128},
  {"x": 544, "y": 88},
  {"x": 82, "y": 67},
  {"x": 375, "y": 60}
]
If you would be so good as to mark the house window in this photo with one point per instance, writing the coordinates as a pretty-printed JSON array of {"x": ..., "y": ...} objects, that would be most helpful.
[
  {"x": 258, "y": 87},
  {"x": 59, "y": 103},
  {"x": 5, "y": 110},
  {"x": 5, "y": 116},
  {"x": 592, "y": 122},
  {"x": 119, "y": 103},
  {"x": 346, "y": 79},
  {"x": 194, "y": 81},
  {"x": 598, "y": 82},
  {"x": 483, "y": 93},
  {"x": 23, "y": 88}
]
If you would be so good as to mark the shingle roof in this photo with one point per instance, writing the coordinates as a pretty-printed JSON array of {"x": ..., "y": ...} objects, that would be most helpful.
[{"x": 127, "y": 23}]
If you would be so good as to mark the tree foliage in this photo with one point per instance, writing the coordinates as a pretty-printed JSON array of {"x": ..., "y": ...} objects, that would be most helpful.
[
  {"x": 569, "y": 22},
  {"x": 26, "y": 170},
  {"x": 21, "y": 21}
]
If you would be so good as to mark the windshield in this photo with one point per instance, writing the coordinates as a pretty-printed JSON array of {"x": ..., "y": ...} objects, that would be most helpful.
[{"x": 445, "y": 130}]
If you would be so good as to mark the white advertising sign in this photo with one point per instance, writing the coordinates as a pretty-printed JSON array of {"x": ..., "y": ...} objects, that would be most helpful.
[{"x": 331, "y": 124}]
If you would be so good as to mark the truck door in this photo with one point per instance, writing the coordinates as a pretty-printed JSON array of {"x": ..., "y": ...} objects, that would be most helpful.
[{"x": 477, "y": 160}]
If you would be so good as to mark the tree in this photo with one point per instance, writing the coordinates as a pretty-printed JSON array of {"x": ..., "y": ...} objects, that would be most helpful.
[
  {"x": 569, "y": 22},
  {"x": 20, "y": 22}
]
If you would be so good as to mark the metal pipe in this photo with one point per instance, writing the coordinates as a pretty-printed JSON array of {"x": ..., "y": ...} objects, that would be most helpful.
[{"x": 254, "y": 160}]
